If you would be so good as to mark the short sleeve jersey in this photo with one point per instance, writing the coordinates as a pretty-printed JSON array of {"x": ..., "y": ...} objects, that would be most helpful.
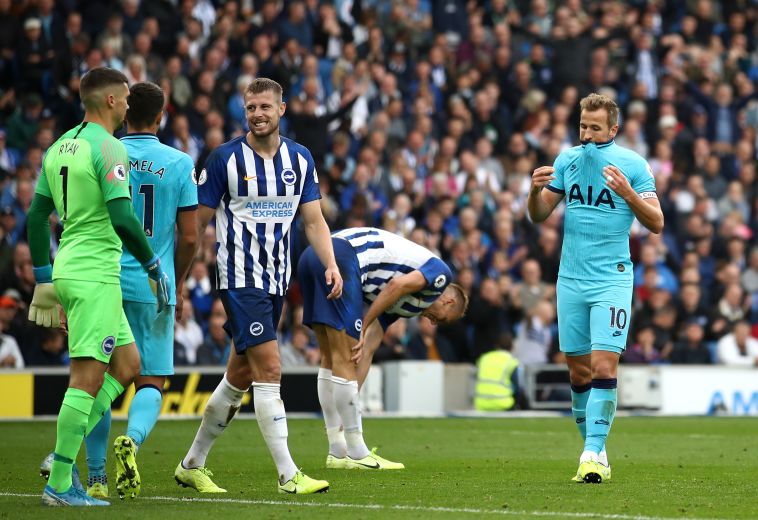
[
  {"x": 81, "y": 172},
  {"x": 162, "y": 184},
  {"x": 383, "y": 256},
  {"x": 256, "y": 200},
  {"x": 597, "y": 221}
]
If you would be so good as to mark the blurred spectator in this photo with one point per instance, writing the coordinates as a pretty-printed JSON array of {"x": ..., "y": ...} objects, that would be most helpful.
[
  {"x": 427, "y": 344},
  {"x": 642, "y": 349},
  {"x": 297, "y": 350},
  {"x": 187, "y": 333},
  {"x": 738, "y": 348},
  {"x": 217, "y": 345},
  {"x": 536, "y": 334},
  {"x": 531, "y": 290},
  {"x": 10, "y": 354},
  {"x": 691, "y": 349}
]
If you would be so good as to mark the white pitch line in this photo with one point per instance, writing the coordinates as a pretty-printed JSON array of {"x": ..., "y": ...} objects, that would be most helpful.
[{"x": 380, "y": 507}]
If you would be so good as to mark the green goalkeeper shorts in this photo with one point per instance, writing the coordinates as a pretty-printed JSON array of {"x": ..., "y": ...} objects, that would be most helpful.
[{"x": 96, "y": 320}]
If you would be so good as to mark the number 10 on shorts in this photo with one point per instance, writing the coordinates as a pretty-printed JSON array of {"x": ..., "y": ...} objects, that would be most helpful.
[{"x": 618, "y": 318}]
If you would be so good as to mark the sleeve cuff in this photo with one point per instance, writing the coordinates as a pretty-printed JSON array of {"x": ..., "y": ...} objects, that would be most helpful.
[
  {"x": 186, "y": 208},
  {"x": 43, "y": 274},
  {"x": 555, "y": 190}
]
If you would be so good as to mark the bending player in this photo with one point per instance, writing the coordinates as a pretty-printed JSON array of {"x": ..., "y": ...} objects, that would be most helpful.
[
  {"x": 397, "y": 278},
  {"x": 164, "y": 195},
  {"x": 254, "y": 185},
  {"x": 84, "y": 178},
  {"x": 607, "y": 187}
]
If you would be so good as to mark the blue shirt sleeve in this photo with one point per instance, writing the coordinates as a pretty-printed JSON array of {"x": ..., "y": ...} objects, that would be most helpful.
[
  {"x": 643, "y": 180},
  {"x": 212, "y": 181},
  {"x": 310, "y": 184},
  {"x": 187, "y": 187},
  {"x": 556, "y": 185},
  {"x": 436, "y": 273}
]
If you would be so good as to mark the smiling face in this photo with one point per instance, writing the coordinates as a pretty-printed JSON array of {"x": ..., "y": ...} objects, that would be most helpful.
[{"x": 263, "y": 111}]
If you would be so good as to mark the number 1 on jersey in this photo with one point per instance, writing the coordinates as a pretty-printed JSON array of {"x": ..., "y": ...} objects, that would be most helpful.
[
  {"x": 148, "y": 208},
  {"x": 64, "y": 174}
]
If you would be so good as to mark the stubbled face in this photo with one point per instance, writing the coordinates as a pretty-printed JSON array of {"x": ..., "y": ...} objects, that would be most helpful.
[
  {"x": 593, "y": 127},
  {"x": 443, "y": 310},
  {"x": 120, "y": 104},
  {"x": 263, "y": 112}
]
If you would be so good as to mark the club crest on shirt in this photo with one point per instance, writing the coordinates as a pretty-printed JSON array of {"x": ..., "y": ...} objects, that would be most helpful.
[
  {"x": 107, "y": 345},
  {"x": 256, "y": 328},
  {"x": 199, "y": 179},
  {"x": 288, "y": 176},
  {"x": 440, "y": 281}
]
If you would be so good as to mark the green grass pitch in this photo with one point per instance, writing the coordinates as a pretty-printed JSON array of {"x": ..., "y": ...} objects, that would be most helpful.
[{"x": 456, "y": 468}]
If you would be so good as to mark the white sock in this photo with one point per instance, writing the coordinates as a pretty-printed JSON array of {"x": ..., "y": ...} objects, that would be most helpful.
[
  {"x": 346, "y": 400},
  {"x": 269, "y": 411},
  {"x": 222, "y": 406},
  {"x": 602, "y": 458},
  {"x": 332, "y": 421},
  {"x": 588, "y": 455}
]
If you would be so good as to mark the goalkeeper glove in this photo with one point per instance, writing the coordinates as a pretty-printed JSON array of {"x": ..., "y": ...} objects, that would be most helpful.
[
  {"x": 160, "y": 282},
  {"x": 44, "y": 309}
]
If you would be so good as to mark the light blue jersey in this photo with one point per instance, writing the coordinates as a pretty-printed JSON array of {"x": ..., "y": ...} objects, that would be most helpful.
[
  {"x": 161, "y": 181},
  {"x": 597, "y": 221}
]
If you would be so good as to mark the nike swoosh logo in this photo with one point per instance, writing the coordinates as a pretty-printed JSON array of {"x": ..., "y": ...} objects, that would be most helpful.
[
  {"x": 278, "y": 418},
  {"x": 372, "y": 466},
  {"x": 290, "y": 492},
  {"x": 250, "y": 178},
  {"x": 222, "y": 425}
]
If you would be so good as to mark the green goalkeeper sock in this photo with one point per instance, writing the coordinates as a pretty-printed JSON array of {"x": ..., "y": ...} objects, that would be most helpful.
[
  {"x": 108, "y": 393},
  {"x": 72, "y": 421}
]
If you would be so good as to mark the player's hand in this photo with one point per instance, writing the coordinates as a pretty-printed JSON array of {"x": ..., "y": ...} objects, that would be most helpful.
[
  {"x": 160, "y": 283},
  {"x": 45, "y": 309},
  {"x": 334, "y": 279},
  {"x": 542, "y": 176},
  {"x": 617, "y": 181},
  {"x": 357, "y": 350}
]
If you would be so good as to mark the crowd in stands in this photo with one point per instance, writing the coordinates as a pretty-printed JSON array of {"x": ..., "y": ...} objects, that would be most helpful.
[{"x": 426, "y": 118}]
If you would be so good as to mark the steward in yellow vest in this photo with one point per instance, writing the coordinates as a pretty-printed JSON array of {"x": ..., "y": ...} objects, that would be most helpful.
[{"x": 495, "y": 389}]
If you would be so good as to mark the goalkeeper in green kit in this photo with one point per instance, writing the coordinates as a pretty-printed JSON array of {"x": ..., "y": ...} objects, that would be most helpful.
[{"x": 85, "y": 178}]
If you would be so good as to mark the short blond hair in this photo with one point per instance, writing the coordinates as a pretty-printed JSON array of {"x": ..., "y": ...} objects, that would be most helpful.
[
  {"x": 595, "y": 102},
  {"x": 461, "y": 298}
]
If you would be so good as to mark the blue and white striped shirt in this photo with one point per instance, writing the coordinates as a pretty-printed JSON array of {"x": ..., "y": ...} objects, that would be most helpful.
[
  {"x": 383, "y": 256},
  {"x": 256, "y": 200}
]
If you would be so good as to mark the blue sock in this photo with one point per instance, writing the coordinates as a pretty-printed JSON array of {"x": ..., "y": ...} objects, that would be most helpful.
[
  {"x": 97, "y": 443},
  {"x": 601, "y": 407},
  {"x": 143, "y": 413},
  {"x": 579, "y": 396}
]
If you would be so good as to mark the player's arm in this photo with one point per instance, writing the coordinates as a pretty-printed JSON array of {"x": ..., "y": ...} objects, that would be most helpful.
[
  {"x": 645, "y": 205},
  {"x": 44, "y": 307},
  {"x": 541, "y": 202},
  {"x": 317, "y": 231},
  {"x": 392, "y": 292},
  {"x": 186, "y": 247},
  {"x": 186, "y": 223}
]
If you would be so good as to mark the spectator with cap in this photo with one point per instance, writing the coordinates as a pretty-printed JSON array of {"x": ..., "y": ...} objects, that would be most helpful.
[{"x": 23, "y": 124}]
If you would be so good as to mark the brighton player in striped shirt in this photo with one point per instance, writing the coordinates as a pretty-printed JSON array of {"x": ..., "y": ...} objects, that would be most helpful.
[
  {"x": 396, "y": 278},
  {"x": 254, "y": 185}
]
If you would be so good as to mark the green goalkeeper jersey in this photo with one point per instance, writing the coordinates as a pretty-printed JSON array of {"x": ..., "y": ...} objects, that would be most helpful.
[{"x": 81, "y": 172}]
